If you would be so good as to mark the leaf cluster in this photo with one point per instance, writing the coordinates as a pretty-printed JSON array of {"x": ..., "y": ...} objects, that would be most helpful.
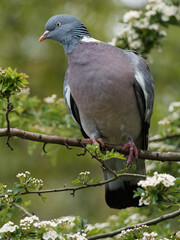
[{"x": 11, "y": 82}]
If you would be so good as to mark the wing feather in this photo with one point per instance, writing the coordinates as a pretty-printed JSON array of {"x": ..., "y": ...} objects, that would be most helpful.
[{"x": 71, "y": 105}]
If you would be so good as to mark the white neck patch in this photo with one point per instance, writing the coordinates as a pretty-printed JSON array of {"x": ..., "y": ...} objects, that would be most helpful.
[{"x": 89, "y": 39}]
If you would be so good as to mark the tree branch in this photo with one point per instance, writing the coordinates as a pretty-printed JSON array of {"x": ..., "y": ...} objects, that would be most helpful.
[
  {"x": 161, "y": 139},
  {"x": 99, "y": 160},
  {"x": 37, "y": 137},
  {"x": 23, "y": 209},
  {"x": 74, "y": 189},
  {"x": 147, "y": 223}
]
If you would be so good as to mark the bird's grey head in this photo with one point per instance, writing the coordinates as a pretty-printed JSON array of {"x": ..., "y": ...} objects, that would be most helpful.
[{"x": 65, "y": 29}]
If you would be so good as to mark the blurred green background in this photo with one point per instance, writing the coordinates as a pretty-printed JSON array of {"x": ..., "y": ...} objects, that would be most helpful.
[{"x": 21, "y": 25}]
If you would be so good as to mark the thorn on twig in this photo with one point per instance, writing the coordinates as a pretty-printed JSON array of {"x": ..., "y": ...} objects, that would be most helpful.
[
  {"x": 82, "y": 154},
  {"x": 67, "y": 146},
  {"x": 73, "y": 193},
  {"x": 8, "y": 144},
  {"x": 44, "y": 148},
  {"x": 8, "y": 109}
]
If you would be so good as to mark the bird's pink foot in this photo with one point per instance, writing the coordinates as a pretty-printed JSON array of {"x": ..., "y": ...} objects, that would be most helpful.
[
  {"x": 94, "y": 139},
  {"x": 99, "y": 140},
  {"x": 132, "y": 150}
]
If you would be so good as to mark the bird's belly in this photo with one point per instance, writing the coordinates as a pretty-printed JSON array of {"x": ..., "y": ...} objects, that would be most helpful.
[
  {"x": 114, "y": 120},
  {"x": 106, "y": 102}
]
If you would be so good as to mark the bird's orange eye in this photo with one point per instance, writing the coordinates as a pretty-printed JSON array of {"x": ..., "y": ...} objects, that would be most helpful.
[{"x": 58, "y": 24}]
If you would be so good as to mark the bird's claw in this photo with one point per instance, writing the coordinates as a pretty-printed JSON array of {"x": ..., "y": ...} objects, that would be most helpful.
[
  {"x": 94, "y": 139},
  {"x": 99, "y": 140},
  {"x": 132, "y": 150}
]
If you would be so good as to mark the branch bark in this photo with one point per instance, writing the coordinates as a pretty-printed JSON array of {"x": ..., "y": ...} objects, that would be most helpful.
[
  {"x": 23, "y": 210},
  {"x": 161, "y": 139},
  {"x": 147, "y": 223},
  {"x": 74, "y": 189},
  {"x": 37, "y": 137}
]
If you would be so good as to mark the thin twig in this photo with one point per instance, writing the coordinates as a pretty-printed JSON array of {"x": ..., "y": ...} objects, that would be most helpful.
[
  {"x": 8, "y": 144},
  {"x": 147, "y": 223},
  {"x": 82, "y": 154},
  {"x": 157, "y": 156},
  {"x": 8, "y": 109},
  {"x": 23, "y": 209},
  {"x": 99, "y": 159},
  {"x": 44, "y": 148},
  {"x": 74, "y": 189},
  {"x": 67, "y": 146},
  {"x": 161, "y": 139}
]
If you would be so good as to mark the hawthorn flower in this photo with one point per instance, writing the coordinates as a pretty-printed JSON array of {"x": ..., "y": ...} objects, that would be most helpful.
[
  {"x": 50, "y": 99},
  {"x": 8, "y": 227},
  {"x": 173, "y": 105},
  {"x": 38, "y": 183},
  {"x": 51, "y": 235},
  {"x": 84, "y": 173},
  {"x": 135, "y": 44},
  {"x": 21, "y": 175},
  {"x": 154, "y": 26},
  {"x": 77, "y": 236},
  {"x": 134, "y": 218},
  {"x": 166, "y": 179},
  {"x": 24, "y": 91},
  {"x": 27, "y": 222},
  {"x": 42, "y": 224},
  {"x": 144, "y": 201},
  {"x": 147, "y": 236},
  {"x": 131, "y": 15}
]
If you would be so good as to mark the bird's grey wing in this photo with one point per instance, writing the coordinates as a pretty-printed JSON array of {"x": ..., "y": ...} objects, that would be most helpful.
[
  {"x": 71, "y": 105},
  {"x": 144, "y": 90}
]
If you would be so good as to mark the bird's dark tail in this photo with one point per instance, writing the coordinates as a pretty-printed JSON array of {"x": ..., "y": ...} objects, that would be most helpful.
[{"x": 119, "y": 193}]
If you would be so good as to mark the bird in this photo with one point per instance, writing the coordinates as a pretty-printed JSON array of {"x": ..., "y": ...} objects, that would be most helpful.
[{"x": 109, "y": 92}]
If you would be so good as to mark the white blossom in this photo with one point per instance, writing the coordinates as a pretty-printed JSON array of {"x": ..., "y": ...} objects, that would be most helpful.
[
  {"x": 50, "y": 99},
  {"x": 113, "y": 218},
  {"x": 150, "y": 13},
  {"x": 135, "y": 44},
  {"x": 77, "y": 236},
  {"x": 20, "y": 175},
  {"x": 169, "y": 11},
  {"x": 45, "y": 224},
  {"x": 50, "y": 235},
  {"x": 101, "y": 225},
  {"x": 134, "y": 218},
  {"x": 68, "y": 219},
  {"x": 178, "y": 235},
  {"x": 173, "y": 105},
  {"x": 163, "y": 33},
  {"x": 165, "y": 121},
  {"x": 154, "y": 26},
  {"x": 131, "y": 15},
  {"x": 166, "y": 179},
  {"x": 25, "y": 91},
  {"x": 147, "y": 236},
  {"x": 142, "y": 23},
  {"x": 27, "y": 222},
  {"x": 8, "y": 227},
  {"x": 124, "y": 31},
  {"x": 84, "y": 173}
]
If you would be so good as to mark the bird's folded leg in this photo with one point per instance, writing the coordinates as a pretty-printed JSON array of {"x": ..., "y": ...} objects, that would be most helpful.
[{"x": 132, "y": 150}]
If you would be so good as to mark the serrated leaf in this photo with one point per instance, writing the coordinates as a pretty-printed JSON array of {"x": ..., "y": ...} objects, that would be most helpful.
[{"x": 76, "y": 181}]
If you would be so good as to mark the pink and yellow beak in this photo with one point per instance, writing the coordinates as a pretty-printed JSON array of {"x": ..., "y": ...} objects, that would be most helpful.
[{"x": 44, "y": 36}]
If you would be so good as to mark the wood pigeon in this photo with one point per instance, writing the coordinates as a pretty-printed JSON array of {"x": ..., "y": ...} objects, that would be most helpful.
[{"x": 109, "y": 92}]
